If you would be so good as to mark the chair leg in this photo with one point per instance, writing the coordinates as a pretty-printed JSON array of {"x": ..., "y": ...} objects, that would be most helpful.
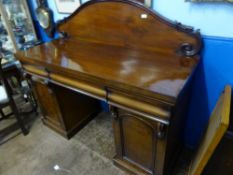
[
  {"x": 20, "y": 122},
  {"x": 18, "y": 118},
  {"x": 2, "y": 114}
]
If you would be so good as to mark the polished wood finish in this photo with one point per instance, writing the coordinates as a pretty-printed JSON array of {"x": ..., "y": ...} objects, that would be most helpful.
[
  {"x": 121, "y": 56},
  {"x": 142, "y": 70},
  {"x": 49, "y": 104},
  {"x": 138, "y": 142},
  {"x": 119, "y": 23},
  {"x": 217, "y": 127},
  {"x": 125, "y": 100},
  {"x": 138, "y": 62},
  {"x": 79, "y": 85},
  {"x": 63, "y": 110},
  {"x": 149, "y": 136}
]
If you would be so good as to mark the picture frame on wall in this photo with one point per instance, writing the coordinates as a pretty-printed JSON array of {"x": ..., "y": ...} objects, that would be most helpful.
[
  {"x": 67, "y": 6},
  {"x": 147, "y": 3}
]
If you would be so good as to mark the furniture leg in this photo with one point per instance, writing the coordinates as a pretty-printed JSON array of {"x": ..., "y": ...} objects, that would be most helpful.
[
  {"x": 18, "y": 118},
  {"x": 2, "y": 114}
]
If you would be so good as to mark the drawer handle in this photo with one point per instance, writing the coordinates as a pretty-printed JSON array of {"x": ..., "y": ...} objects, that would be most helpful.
[{"x": 161, "y": 131}]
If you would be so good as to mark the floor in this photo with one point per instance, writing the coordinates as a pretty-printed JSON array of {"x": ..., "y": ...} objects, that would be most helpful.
[{"x": 45, "y": 152}]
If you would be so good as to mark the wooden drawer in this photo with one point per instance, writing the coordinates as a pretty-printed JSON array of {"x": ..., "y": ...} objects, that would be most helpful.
[
  {"x": 148, "y": 108},
  {"x": 37, "y": 70},
  {"x": 81, "y": 86}
]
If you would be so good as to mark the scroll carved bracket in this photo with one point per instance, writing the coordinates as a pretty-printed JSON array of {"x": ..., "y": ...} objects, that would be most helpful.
[
  {"x": 183, "y": 27},
  {"x": 188, "y": 49},
  {"x": 62, "y": 34}
]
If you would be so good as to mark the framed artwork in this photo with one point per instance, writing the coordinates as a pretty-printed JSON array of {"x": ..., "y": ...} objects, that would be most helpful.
[
  {"x": 214, "y": 1},
  {"x": 67, "y": 6},
  {"x": 147, "y": 3}
]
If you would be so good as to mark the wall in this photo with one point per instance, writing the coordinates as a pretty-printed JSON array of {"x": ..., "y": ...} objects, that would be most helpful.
[
  {"x": 214, "y": 72},
  {"x": 214, "y": 19},
  {"x": 216, "y": 67}
]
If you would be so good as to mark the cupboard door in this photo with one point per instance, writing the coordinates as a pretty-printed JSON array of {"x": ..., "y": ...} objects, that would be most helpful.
[
  {"x": 137, "y": 144},
  {"x": 138, "y": 140},
  {"x": 48, "y": 103}
]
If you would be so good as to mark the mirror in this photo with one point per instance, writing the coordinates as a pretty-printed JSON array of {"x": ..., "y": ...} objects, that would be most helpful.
[{"x": 43, "y": 18}]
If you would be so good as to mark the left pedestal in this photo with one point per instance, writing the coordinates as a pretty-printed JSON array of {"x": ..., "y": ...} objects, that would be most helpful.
[{"x": 64, "y": 110}]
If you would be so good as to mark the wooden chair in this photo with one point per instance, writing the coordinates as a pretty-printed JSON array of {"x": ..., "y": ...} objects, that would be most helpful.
[
  {"x": 6, "y": 99},
  {"x": 217, "y": 127}
]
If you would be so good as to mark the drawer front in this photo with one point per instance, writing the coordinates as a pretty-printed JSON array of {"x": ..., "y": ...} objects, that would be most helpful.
[
  {"x": 140, "y": 143},
  {"x": 40, "y": 71},
  {"x": 149, "y": 108},
  {"x": 81, "y": 86}
]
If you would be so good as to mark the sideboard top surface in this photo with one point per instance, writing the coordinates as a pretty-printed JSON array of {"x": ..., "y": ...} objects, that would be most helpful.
[{"x": 124, "y": 43}]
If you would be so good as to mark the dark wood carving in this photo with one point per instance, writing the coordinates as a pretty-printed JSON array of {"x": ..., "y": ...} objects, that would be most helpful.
[
  {"x": 138, "y": 62},
  {"x": 128, "y": 28}
]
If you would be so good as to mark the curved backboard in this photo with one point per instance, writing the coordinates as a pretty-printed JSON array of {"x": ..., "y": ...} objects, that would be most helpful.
[{"x": 129, "y": 24}]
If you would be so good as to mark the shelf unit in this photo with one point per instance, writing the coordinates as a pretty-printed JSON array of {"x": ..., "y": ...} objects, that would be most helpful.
[{"x": 16, "y": 26}]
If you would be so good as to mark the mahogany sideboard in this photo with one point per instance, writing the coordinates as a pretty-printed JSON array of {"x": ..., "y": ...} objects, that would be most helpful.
[{"x": 129, "y": 56}]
